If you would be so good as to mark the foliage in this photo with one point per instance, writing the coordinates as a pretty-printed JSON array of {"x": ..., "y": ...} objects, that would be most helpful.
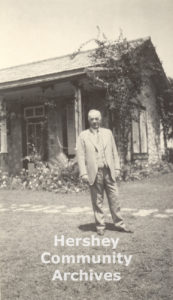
[
  {"x": 122, "y": 68},
  {"x": 66, "y": 179},
  {"x": 44, "y": 178},
  {"x": 60, "y": 175},
  {"x": 164, "y": 94},
  {"x": 4, "y": 180},
  {"x": 170, "y": 108},
  {"x": 138, "y": 170}
]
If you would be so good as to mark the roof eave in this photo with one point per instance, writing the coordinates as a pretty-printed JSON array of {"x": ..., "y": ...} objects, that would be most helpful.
[{"x": 41, "y": 79}]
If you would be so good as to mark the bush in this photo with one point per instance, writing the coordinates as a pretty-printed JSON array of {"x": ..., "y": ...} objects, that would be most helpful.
[
  {"x": 4, "y": 180},
  {"x": 139, "y": 170},
  {"x": 59, "y": 175},
  {"x": 62, "y": 175}
]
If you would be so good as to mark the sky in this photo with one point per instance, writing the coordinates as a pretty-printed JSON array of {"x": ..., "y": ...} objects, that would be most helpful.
[{"x": 32, "y": 30}]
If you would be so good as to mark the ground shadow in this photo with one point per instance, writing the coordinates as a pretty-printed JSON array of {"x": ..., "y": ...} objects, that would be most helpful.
[
  {"x": 92, "y": 227},
  {"x": 88, "y": 227},
  {"x": 110, "y": 226}
]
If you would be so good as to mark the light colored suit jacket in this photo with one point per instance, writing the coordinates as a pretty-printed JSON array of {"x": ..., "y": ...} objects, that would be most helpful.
[{"x": 86, "y": 156}]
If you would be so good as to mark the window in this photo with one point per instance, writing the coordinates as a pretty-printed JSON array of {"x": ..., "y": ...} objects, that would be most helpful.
[
  {"x": 139, "y": 131},
  {"x": 34, "y": 111},
  {"x": 35, "y": 130},
  {"x": 34, "y": 137}
]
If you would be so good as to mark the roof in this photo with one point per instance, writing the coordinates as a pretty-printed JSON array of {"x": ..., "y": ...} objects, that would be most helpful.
[{"x": 49, "y": 69}]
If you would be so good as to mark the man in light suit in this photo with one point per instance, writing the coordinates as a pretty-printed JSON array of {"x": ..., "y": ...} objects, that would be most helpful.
[{"x": 99, "y": 166}]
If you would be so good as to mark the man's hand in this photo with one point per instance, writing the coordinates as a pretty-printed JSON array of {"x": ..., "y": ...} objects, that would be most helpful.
[{"x": 85, "y": 178}]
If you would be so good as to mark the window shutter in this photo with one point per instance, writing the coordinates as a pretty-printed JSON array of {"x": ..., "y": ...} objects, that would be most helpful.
[
  {"x": 143, "y": 131},
  {"x": 135, "y": 133}
]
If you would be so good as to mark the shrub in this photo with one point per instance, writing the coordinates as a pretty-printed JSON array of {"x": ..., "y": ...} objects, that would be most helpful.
[
  {"x": 139, "y": 170},
  {"x": 59, "y": 175},
  {"x": 62, "y": 176},
  {"x": 4, "y": 180}
]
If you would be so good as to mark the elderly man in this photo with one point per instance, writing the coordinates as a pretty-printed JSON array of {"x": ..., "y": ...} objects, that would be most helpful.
[{"x": 99, "y": 166}]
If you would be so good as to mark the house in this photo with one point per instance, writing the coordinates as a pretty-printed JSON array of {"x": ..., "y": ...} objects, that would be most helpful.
[{"x": 44, "y": 105}]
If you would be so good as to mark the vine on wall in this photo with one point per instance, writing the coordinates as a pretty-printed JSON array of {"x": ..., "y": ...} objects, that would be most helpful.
[{"x": 122, "y": 68}]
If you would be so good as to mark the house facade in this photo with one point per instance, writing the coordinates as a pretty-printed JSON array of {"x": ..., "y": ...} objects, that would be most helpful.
[{"x": 44, "y": 106}]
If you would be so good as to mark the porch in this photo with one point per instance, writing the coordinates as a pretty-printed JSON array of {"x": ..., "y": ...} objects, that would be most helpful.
[{"x": 44, "y": 120}]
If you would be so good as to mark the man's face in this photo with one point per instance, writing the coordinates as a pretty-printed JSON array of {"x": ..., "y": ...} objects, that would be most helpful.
[{"x": 95, "y": 120}]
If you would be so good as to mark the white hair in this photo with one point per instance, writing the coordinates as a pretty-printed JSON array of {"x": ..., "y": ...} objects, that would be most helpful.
[{"x": 94, "y": 111}]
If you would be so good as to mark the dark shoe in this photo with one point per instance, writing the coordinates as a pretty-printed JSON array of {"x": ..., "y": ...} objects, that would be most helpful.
[
  {"x": 123, "y": 228},
  {"x": 100, "y": 231}
]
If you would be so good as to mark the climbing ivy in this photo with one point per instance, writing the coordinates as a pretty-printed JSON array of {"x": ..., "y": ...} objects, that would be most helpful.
[{"x": 122, "y": 68}]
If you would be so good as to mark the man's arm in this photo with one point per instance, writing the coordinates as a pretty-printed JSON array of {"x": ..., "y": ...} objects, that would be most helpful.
[
  {"x": 80, "y": 154},
  {"x": 115, "y": 154}
]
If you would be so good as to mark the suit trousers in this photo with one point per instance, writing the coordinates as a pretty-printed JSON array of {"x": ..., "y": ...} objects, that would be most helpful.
[{"x": 104, "y": 182}]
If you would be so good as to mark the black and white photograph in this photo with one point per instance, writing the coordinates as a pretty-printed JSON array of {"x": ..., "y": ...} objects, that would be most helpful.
[{"x": 86, "y": 150}]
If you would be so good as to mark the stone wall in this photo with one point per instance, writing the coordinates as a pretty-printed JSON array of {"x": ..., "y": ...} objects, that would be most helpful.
[{"x": 155, "y": 138}]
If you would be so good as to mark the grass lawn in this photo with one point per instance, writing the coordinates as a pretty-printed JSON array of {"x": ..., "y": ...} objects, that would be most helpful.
[{"x": 30, "y": 220}]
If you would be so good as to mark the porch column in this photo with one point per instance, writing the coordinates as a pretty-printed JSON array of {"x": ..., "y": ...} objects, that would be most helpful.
[
  {"x": 78, "y": 111},
  {"x": 3, "y": 136}
]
